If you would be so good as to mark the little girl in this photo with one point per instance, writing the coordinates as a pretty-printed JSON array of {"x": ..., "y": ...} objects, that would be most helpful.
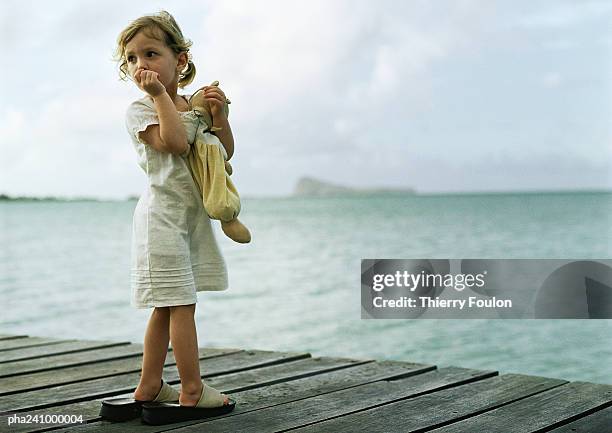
[{"x": 174, "y": 251}]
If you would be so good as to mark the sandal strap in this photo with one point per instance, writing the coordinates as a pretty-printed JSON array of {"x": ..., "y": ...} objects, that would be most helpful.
[
  {"x": 210, "y": 397},
  {"x": 166, "y": 394}
]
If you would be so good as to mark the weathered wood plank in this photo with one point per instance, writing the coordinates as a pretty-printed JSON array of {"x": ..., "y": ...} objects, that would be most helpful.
[
  {"x": 299, "y": 368},
  {"x": 36, "y": 365},
  {"x": 270, "y": 374},
  {"x": 325, "y": 406},
  {"x": 95, "y": 370},
  {"x": 279, "y": 391},
  {"x": 546, "y": 409},
  {"x": 126, "y": 382},
  {"x": 256, "y": 398},
  {"x": 597, "y": 422},
  {"x": 18, "y": 343},
  {"x": 275, "y": 374},
  {"x": 55, "y": 349},
  {"x": 425, "y": 411}
]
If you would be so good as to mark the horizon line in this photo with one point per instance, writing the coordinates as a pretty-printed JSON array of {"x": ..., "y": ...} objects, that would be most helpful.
[{"x": 129, "y": 197}]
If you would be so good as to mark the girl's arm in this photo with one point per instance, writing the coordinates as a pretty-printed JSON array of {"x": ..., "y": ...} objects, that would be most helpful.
[
  {"x": 225, "y": 134},
  {"x": 172, "y": 134}
]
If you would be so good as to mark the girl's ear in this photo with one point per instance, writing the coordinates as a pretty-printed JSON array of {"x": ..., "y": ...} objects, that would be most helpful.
[{"x": 182, "y": 61}]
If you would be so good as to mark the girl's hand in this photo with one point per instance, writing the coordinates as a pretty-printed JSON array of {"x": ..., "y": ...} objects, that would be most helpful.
[
  {"x": 148, "y": 81},
  {"x": 216, "y": 100}
]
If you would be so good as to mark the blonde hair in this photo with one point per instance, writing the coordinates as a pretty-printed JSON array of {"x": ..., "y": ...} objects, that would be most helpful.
[{"x": 172, "y": 36}]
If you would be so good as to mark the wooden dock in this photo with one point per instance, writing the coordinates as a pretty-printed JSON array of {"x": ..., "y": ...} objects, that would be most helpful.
[{"x": 280, "y": 391}]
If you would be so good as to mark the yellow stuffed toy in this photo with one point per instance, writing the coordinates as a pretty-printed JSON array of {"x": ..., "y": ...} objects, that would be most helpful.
[{"x": 211, "y": 172}]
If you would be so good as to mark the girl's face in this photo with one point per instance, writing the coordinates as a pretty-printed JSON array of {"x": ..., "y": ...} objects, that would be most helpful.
[{"x": 143, "y": 52}]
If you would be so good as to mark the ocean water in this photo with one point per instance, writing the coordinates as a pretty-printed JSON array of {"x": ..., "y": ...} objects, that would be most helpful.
[{"x": 296, "y": 287}]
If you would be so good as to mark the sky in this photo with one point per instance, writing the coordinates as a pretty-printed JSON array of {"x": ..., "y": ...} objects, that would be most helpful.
[{"x": 444, "y": 96}]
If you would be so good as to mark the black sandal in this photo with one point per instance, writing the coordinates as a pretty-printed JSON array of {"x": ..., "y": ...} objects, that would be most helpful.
[
  {"x": 210, "y": 404},
  {"x": 125, "y": 408}
]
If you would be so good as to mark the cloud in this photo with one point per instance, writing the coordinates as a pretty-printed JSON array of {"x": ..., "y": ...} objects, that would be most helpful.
[
  {"x": 63, "y": 142},
  {"x": 552, "y": 80},
  {"x": 559, "y": 14},
  {"x": 341, "y": 88},
  {"x": 321, "y": 64}
]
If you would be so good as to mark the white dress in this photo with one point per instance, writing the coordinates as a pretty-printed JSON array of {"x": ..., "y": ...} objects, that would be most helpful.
[{"x": 174, "y": 251}]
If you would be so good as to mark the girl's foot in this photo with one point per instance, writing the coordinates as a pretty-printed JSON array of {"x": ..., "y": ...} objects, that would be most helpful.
[
  {"x": 147, "y": 392},
  {"x": 192, "y": 399}
]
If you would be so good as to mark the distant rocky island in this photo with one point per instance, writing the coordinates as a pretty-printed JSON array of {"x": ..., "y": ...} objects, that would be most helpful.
[{"x": 309, "y": 187}]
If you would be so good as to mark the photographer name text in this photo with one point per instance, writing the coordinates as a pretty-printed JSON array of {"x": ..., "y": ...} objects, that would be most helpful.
[{"x": 426, "y": 302}]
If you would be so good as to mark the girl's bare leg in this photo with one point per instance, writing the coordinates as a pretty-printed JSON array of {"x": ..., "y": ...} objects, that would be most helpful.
[
  {"x": 185, "y": 348},
  {"x": 154, "y": 354}
]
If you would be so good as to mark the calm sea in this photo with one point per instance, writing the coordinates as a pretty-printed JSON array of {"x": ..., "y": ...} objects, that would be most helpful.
[{"x": 296, "y": 287}]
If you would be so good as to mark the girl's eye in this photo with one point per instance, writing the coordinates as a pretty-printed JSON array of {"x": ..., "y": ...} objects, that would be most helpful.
[
  {"x": 130, "y": 58},
  {"x": 151, "y": 52}
]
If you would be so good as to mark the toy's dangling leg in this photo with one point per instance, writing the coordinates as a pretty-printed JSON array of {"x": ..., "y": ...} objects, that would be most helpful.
[{"x": 236, "y": 231}]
